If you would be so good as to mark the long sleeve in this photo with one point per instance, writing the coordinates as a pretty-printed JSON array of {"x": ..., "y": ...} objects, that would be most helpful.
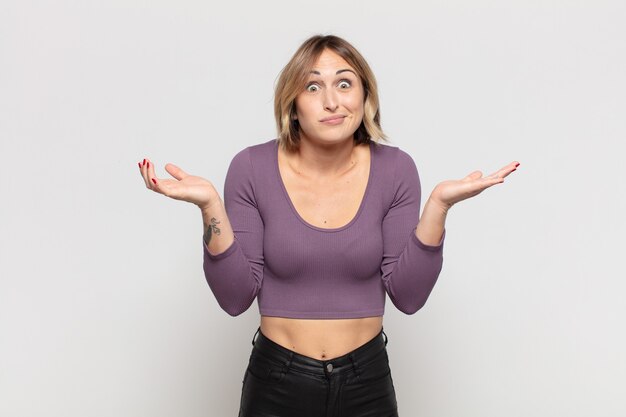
[
  {"x": 235, "y": 275},
  {"x": 410, "y": 268}
]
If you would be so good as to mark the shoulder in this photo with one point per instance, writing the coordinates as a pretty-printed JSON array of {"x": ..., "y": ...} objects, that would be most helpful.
[
  {"x": 254, "y": 157},
  {"x": 400, "y": 172},
  {"x": 393, "y": 157},
  {"x": 263, "y": 149}
]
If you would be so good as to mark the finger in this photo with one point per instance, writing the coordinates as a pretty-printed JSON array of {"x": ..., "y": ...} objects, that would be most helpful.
[
  {"x": 505, "y": 170},
  {"x": 153, "y": 180},
  {"x": 143, "y": 169},
  {"x": 495, "y": 181},
  {"x": 175, "y": 171},
  {"x": 156, "y": 185},
  {"x": 473, "y": 176},
  {"x": 483, "y": 183},
  {"x": 512, "y": 167}
]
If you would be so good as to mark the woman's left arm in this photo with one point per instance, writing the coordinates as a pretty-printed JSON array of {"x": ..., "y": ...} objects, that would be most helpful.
[{"x": 432, "y": 222}]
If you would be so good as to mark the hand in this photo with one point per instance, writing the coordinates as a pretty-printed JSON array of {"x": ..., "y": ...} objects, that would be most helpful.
[
  {"x": 184, "y": 187},
  {"x": 448, "y": 193}
]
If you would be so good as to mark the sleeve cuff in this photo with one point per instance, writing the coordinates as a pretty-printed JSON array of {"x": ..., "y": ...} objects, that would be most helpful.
[
  {"x": 432, "y": 248},
  {"x": 227, "y": 252}
]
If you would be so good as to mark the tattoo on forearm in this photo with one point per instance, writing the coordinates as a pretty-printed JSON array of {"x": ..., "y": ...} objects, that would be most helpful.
[{"x": 210, "y": 229}]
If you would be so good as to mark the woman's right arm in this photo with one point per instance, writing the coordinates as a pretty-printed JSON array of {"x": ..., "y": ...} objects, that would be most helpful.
[
  {"x": 233, "y": 252},
  {"x": 218, "y": 232}
]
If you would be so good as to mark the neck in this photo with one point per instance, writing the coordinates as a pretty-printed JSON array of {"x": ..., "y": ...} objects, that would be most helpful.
[{"x": 324, "y": 160}]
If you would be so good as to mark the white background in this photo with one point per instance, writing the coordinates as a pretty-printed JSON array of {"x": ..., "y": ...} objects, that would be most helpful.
[{"x": 104, "y": 310}]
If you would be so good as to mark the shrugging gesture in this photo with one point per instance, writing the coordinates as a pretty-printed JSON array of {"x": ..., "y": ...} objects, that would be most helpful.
[
  {"x": 431, "y": 227},
  {"x": 218, "y": 233},
  {"x": 190, "y": 188},
  {"x": 448, "y": 193}
]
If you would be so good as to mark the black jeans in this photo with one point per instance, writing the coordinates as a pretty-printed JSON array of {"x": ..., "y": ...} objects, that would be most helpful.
[{"x": 282, "y": 383}]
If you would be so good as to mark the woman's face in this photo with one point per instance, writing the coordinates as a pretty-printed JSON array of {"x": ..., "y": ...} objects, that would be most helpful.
[{"x": 330, "y": 109}]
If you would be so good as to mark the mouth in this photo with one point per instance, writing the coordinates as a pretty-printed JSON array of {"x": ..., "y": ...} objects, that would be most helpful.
[{"x": 332, "y": 119}]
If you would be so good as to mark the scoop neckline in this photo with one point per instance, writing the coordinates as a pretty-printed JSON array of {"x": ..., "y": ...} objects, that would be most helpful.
[{"x": 323, "y": 229}]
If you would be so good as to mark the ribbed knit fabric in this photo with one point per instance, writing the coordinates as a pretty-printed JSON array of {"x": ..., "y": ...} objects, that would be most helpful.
[{"x": 298, "y": 270}]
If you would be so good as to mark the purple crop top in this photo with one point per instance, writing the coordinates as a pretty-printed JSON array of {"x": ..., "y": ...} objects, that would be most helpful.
[{"x": 298, "y": 270}]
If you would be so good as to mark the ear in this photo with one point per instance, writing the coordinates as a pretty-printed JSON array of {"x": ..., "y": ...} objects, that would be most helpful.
[{"x": 293, "y": 110}]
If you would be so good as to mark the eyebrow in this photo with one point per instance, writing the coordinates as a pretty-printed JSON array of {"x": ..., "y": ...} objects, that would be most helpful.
[{"x": 338, "y": 72}]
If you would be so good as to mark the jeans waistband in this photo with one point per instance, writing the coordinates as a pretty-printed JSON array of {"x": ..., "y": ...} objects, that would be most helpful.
[{"x": 290, "y": 359}]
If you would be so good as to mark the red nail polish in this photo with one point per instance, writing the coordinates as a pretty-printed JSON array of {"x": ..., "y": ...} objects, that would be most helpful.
[
  {"x": 144, "y": 162},
  {"x": 139, "y": 163},
  {"x": 516, "y": 165},
  {"x": 153, "y": 180},
  {"x": 148, "y": 164}
]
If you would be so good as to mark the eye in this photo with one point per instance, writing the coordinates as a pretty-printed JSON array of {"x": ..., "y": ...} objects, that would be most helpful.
[
  {"x": 344, "y": 84},
  {"x": 312, "y": 88}
]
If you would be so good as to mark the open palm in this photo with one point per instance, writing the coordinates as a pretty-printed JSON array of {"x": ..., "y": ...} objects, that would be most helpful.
[
  {"x": 184, "y": 186},
  {"x": 448, "y": 193}
]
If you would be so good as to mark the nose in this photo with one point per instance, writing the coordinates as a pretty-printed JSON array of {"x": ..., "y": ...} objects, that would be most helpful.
[{"x": 330, "y": 100}]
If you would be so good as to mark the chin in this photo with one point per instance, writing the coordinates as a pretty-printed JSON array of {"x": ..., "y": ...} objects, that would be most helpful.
[{"x": 335, "y": 140}]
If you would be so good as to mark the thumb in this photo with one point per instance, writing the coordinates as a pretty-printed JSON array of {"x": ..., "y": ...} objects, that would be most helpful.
[
  {"x": 473, "y": 176},
  {"x": 175, "y": 171}
]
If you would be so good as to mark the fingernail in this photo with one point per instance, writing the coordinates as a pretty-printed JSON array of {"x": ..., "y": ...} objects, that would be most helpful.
[
  {"x": 148, "y": 164},
  {"x": 144, "y": 162},
  {"x": 153, "y": 180},
  {"x": 139, "y": 163},
  {"x": 516, "y": 165}
]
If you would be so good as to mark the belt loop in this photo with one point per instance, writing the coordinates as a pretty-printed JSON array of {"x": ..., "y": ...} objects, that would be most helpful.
[
  {"x": 354, "y": 365},
  {"x": 288, "y": 363},
  {"x": 386, "y": 339},
  {"x": 257, "y": 331}
]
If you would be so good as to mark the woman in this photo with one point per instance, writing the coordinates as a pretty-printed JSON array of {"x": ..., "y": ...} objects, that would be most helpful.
[{"x": 320, "y": 225}]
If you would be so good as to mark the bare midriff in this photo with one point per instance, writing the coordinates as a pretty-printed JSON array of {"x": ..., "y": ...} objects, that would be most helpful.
[{"x": 321, "y": 339}]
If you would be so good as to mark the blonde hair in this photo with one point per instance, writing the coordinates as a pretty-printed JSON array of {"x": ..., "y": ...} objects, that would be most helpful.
[{"x": 294, "y": 76}]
